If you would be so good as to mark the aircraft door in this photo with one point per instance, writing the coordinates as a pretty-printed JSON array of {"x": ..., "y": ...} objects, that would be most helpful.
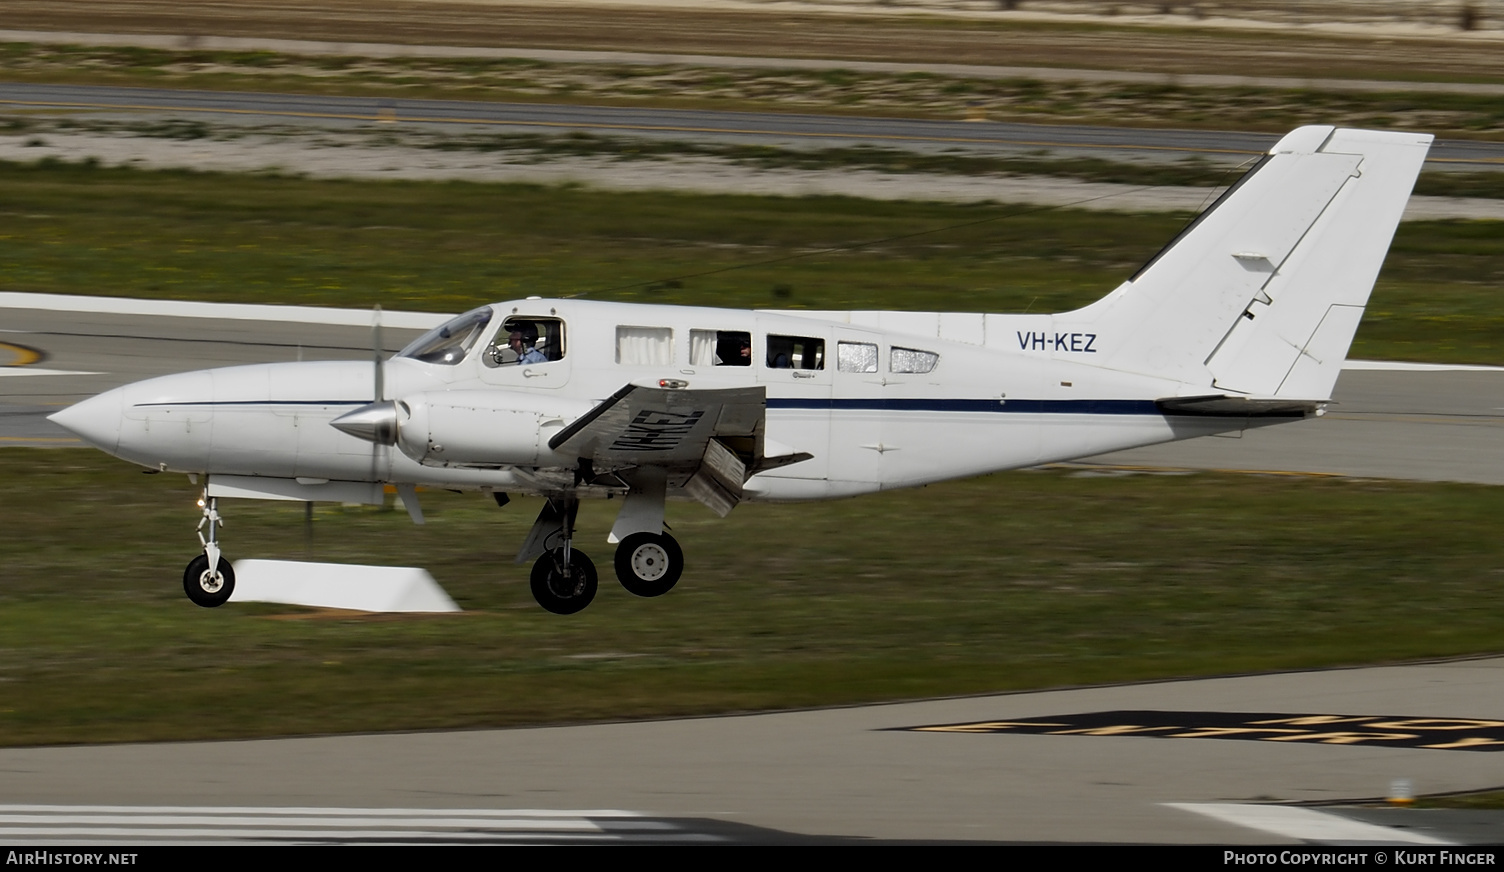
[
  {"x": 795, "y": 366},
  {"x": 527, "y": 352}
]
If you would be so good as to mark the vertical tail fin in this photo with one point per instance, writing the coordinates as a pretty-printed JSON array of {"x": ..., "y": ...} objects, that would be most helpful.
[{"x": 1261, "y": 295}]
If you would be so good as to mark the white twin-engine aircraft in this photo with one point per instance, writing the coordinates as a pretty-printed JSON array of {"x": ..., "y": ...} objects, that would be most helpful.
[{"x": 1243, "y": 320}]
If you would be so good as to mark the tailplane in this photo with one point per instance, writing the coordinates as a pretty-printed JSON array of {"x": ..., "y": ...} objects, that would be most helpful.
[{"x": 1261, "y": 295}]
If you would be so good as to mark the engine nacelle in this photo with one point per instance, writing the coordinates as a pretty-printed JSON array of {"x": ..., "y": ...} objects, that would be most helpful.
[
  {"x": 483, "y": 428},
  {"x": 479, "y": 429}
]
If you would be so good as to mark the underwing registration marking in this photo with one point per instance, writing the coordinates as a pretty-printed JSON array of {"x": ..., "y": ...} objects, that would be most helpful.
[{"x": 656, "y": 431}]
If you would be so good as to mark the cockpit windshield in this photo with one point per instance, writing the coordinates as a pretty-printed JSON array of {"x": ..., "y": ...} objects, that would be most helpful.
[{"x": 448, "y": 343}]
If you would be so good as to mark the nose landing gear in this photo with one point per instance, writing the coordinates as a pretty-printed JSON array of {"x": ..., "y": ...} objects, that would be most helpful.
[{"x": 209, "y": 580}]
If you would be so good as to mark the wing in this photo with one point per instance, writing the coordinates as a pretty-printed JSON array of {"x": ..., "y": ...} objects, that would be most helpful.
[{"x": 709, "y": 442}]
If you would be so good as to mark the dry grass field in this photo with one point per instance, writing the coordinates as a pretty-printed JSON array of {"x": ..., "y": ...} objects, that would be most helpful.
[{"x": 1172, "y": 44}]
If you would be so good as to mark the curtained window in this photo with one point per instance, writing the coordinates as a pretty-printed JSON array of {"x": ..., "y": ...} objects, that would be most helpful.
[{"x": 644, "y": 346}]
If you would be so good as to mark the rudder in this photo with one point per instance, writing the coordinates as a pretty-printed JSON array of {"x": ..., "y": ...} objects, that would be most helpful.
[{"x": 1261, "y": 295}]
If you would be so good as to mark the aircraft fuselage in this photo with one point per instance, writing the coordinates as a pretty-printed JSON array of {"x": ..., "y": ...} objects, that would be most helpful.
[{"x": 876, "y": 408}]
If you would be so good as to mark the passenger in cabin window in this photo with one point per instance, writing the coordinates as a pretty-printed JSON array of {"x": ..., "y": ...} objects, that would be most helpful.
[
  {"x": 732, "y": 348},
  {"x": 524, "y": 341}
]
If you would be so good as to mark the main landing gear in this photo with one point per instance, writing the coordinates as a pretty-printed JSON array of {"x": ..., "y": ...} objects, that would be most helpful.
[
  {"x": 209, "y": 580},
  {"x": 564, "y": 580},
  {"x": 649, "y": 564}
]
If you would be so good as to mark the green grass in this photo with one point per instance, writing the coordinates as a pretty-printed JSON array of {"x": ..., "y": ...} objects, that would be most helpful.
[
  {"x": 1188, "y": 171},
  {"x": 1014, "y": 581},
  {"x": 445, "y": 247},
  {"x": 1489, "y": 801},
  {"x": 1449, "y": 184}
]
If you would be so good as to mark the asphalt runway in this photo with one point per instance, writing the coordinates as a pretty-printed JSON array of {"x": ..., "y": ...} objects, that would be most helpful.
[
  {"x": 769, "y": 128},
  {"x": 1423, "y": 425},
  {"x": 1428, "y": 425},
  {"x": 831, "y": 775}
]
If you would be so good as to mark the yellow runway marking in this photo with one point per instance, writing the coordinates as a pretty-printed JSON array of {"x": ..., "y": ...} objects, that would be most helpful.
[{"x": 18, "y": 355}]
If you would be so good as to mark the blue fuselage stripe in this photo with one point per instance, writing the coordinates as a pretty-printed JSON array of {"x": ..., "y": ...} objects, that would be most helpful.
[
  {"x": 258, "y": 403},
  {"x": 1020, "y": 406},
  {"x": 1037, "y": 407}
]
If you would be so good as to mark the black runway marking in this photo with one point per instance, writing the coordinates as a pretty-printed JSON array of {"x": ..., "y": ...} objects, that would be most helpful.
[{"x": 1447, "y": 734}]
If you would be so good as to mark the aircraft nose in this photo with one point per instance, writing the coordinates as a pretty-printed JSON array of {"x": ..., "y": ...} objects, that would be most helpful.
[{"x": 95, "y": 420}]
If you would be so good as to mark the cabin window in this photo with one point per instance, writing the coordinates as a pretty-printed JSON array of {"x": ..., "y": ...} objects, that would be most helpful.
[
  {"x": 720, "y": 348},
  {"x": 856, "y": 357},
  {"x": 448, "y": 343},
  {"x": 911, "y": 360},
  {"x": 526, "y": 341},
  {"x": 796, "y": 352},
  {"x": 644, "y": 346}
]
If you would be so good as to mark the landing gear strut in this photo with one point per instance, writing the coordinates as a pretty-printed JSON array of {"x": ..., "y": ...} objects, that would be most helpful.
[
  {"x": 209, "y": 580},
  {"x": 564, "y": 580}
]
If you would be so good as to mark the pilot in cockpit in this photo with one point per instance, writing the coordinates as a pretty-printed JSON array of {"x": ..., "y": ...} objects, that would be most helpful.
[{"x": 524, "y": 343}]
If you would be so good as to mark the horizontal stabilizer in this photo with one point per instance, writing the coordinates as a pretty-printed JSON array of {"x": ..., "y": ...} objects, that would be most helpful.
[{"x": 1224, "y": 406}]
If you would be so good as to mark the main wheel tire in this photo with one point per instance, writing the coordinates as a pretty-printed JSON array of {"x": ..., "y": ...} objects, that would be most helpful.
[
  {"x": 649, "y": 564},
  {"x": 205, "y": 588},
  {"x": 560, "y": 595}
]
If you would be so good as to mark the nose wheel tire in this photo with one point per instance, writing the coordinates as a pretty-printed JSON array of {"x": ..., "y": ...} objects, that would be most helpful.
[
  {"x": 649, "y": 564},
  {"x": 561, "y": 594},
  {"x": 205, "y": 588}
]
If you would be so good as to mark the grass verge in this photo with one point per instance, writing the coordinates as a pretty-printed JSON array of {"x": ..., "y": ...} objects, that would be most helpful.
[
  {"x": 1013, "y": 581},
  {"x": 1489, "y": 801}
]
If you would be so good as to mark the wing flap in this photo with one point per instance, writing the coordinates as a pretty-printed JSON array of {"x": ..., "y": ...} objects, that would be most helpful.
[
  {"x": 661, "y": 426},
  {"x": 708, "y": 441}
]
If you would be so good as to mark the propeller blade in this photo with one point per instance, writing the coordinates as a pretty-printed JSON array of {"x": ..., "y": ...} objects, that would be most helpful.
[{"x": 376, "y": 353}]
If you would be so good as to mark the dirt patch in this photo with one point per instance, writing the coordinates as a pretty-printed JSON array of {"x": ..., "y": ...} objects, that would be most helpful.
[
  {"x": 1416, "y": 49},
  {"x": 333, "y": 154}
]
